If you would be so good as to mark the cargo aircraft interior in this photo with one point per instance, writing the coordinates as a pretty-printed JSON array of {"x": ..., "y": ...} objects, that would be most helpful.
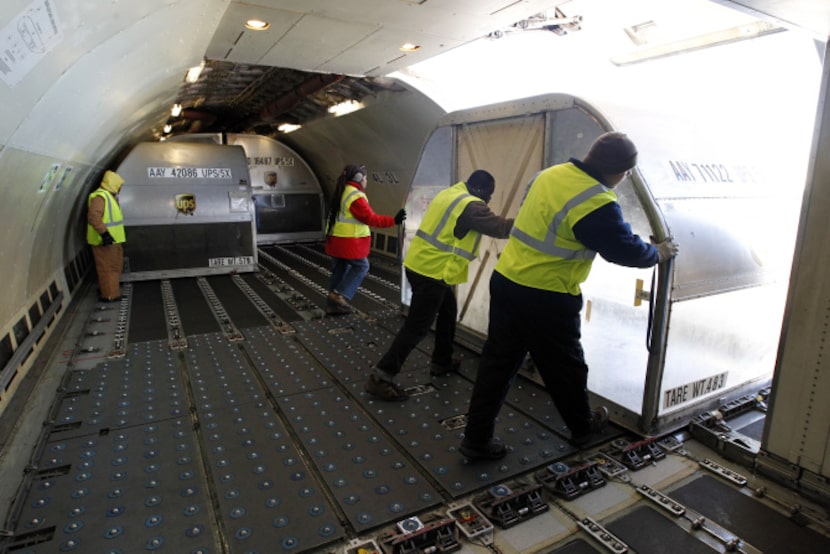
[{"x": 215, "y": 407}]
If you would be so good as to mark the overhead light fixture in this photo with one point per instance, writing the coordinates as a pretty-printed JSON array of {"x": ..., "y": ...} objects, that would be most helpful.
[
  {"x": 343, "y": 108},
  {"x": 168, "y": 128},
  {"x": 697, "y": 42},
  {"x": 194, "y": 72},
  {"x": 257, "y": 24},
  {"x": 176, "y": 110},
  {"x": 409, "y": 47},
  {"x": 288, "y": 127}
]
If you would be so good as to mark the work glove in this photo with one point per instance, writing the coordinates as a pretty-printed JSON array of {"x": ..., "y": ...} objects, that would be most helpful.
[
  {"x": 400, "y": 216},
  {"x": 107, "y": 239},
  {"x": 666, "y": 250}
]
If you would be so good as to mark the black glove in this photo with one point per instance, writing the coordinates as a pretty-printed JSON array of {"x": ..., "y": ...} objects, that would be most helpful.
[
  {"x": 107, "y": 239},
  {"x": 400, "y": 216}
]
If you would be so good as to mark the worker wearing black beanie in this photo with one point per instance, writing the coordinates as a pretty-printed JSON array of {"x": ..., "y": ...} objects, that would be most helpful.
[
  {"x": 436, "y": 262},
  {"x": 611, "y": 154}
]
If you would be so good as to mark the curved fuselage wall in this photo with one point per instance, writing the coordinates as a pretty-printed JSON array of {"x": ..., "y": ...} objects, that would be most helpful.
[{"x": 387, "y": 135}]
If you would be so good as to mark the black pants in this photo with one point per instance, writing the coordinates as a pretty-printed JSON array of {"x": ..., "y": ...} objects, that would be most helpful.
[
  {"x": 431, "y": 299},
  {"x": 545, "y": 324}
]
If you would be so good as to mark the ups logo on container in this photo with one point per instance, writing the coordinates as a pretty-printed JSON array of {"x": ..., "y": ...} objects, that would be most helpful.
[{"x": 186, "y": 203}]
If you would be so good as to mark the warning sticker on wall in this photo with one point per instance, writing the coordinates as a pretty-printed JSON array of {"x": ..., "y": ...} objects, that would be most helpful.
[{"x": 26, "y": 39}]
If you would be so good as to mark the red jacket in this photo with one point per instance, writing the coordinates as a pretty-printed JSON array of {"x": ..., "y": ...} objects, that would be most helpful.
[{"x": 355, "y": 248}]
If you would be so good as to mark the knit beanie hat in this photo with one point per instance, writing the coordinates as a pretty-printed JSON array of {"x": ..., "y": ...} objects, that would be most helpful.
[
  {"x": 480, "y": 183},
  {"x": 612, "y": 153}
]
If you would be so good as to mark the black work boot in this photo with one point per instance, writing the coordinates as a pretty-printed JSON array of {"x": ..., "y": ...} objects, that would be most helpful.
[
  {"x": 599, "y": 419},
  {"x": 385, "y": 390},
  {"x": 494, "y": 449},
  {"x": 437, "y": 370}
]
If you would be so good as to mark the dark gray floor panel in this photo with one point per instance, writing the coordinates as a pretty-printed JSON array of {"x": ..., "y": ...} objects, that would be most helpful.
[
  {"x": 143, "y": 387},
  {"x": 576, "y": 547},
  {"x": 147, "y": 318},
  {"x": 220, "y": 375},
  {"x": 283, "y": 364},
  {"x": 132, "y": 490},
  {"x": 748, "y": 518},
  {"x": 194, "y": 312},
  {"x": 239, "y": 307},
  {"x": 371, "y": 481},
  {"x": 349, "y": 346},
  {"x": 429, "y": 426},
  {"x": 532, "y": 399},
  {"x": 269, "y": 499},
  {"x": 284, "y": 311},
  {"x": 649, "y": 532}
]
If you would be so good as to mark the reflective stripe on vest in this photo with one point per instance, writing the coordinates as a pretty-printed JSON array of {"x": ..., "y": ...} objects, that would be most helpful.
[
  {"x": 542, "y": 251},
  {"x": 468, "y": 255},
  {"x": 548, "y": 245},
  {"x": 435, "y": 251},
  {"x": 113, "y": 219},
  {"x": 346, "y": 225}
]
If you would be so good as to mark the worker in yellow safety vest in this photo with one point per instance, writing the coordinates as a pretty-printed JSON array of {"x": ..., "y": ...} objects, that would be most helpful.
[
  {"x": 105, "y": 234},
  {"x": 349, "y": 237},
  {"x": 446, "y": 242},
  {"x": 569, "y": 214}
]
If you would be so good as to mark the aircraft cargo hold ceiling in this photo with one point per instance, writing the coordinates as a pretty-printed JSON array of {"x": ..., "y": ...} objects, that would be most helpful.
[{"x": 307, "y": 56}]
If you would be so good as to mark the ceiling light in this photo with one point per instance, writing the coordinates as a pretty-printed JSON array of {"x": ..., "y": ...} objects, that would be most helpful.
[
  {"x": 288, "y": 127},
  {"x": 345, "y": 107},
  {"x": 257, "y": 24},
  {"x": 168, "y": 128},
  {"x": 194, "y": 72},
  {"x": 409, "y": 47},
  {"x": 697, "y": 42},
  {"x": 176, "y": 111}
]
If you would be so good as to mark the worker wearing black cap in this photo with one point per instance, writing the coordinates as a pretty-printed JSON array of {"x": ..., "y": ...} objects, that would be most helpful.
[
  {"x": 569, "y": 214},
  {"x": 436, "y": 261}
]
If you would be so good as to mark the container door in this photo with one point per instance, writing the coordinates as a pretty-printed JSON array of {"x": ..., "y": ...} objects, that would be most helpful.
[{"x": 512, "y": 150}]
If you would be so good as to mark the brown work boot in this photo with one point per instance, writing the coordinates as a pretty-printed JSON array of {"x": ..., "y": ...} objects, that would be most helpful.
[
  {"x": 337, "y": 298},
  {"x": 336, "y": 304},
  {"x": 385, "y": 390}
]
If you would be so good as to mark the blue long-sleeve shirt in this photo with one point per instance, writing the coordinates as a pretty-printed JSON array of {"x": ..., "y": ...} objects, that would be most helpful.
[{"x": 605, "y": 231}]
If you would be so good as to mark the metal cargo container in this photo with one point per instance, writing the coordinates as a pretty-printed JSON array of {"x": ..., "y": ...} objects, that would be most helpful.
[
  {"x": 187, "y": 211},
  {"x": 289, "y": 203}
]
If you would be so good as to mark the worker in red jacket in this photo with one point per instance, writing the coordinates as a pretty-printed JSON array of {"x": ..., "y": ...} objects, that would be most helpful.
[{"x": 349, "y": 238}]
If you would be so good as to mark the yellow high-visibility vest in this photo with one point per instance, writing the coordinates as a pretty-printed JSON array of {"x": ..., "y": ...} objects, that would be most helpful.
[
  {"x": 346, "y": 225},
  {"x": 434, "y": 251},
  {"x": 542, "y": 251},
  {"x": 113, "y": 219}
]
